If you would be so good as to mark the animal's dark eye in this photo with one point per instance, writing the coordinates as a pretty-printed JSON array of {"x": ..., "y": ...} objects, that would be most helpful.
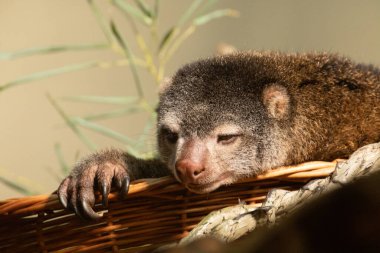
[
  {"x": 227, "y": 138},
  {"x": 169, "y": 135}
]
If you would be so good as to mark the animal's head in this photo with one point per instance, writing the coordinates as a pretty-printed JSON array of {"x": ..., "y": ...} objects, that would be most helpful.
[{"x": 217, "y": 120}]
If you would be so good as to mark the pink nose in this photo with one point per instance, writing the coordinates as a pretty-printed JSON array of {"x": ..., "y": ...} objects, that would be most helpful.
[{"x": 189, "y": 171}]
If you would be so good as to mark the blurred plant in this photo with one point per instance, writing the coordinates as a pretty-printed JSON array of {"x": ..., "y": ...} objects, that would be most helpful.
[{"x": 153, "y": 53}]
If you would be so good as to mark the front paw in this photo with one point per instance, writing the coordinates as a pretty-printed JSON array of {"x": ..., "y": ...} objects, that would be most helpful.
[{"x": 98, "y": 172}]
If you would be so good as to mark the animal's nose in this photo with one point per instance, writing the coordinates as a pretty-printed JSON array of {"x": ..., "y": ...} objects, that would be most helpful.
[{"x": 189, "y": 171}]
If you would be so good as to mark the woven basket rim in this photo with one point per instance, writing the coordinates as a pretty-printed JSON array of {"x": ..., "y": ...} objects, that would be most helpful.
[
  {"x": 301, "y": 172},
  {"x": 155, "y": 212}
]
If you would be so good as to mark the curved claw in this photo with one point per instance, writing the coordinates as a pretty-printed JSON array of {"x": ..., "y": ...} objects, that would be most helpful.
[
  {"x": 105, "y": 192},
  {"x": 63, "y": 199},
  {"x": 125, "y": 186},
  {"x": 98, "y": 172},
  {"x": 62, "y": 192},
  {"x": 119, "y": 183},
  {"x": 77, "y": 212},
  {"x": 88, "y": 211}
]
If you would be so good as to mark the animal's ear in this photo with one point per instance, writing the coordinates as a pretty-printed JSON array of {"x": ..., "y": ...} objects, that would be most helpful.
[
  {"x": 225, "y": 49},
  {"x": 277, "y": 101},
  {"x": 164, "y": 85}
]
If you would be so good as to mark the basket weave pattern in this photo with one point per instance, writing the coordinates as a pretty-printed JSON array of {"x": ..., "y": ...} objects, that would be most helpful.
[{"x": 156, "y": 212}]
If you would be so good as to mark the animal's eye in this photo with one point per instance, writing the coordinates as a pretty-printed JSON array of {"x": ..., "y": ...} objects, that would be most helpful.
[
  {"x": 169, "y": 135},
  {"x": 227, "y": 138}
]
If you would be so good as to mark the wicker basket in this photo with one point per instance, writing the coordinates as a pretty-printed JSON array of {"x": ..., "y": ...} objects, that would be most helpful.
[{"x": 156, "y": 212}]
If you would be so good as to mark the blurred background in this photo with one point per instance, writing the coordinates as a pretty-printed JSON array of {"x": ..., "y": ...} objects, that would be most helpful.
[{"x": 77, "y": 76}]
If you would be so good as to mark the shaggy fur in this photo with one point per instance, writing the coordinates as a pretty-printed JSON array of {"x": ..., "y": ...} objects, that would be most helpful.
[{"x": 234, "y": 116}]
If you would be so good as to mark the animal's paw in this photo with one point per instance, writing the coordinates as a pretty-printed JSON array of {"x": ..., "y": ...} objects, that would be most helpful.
[{"x": 99, "y": 172}]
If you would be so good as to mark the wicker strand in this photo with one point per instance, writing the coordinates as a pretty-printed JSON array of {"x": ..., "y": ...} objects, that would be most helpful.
[{"x": 156, "y": 211}]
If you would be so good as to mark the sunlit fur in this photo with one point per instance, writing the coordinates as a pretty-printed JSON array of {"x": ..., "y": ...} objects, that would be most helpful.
[
  {"x": 284, "y": 109},
  {"x": 290, "y": 109}
]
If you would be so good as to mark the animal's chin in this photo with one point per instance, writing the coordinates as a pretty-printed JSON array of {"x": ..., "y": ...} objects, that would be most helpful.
[{"x": 201, "y": 188}]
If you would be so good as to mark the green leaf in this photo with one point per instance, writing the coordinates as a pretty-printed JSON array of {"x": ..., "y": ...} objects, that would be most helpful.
[
  {"x": 101, "y": 21},
  {"x": 174, "y": 31},
  {"x": 20, "y": 184},
  {"x": 199, "y": 21},
  {"x": 65, "y": 168},
  {"x": 145, "y": 133},
  {"x": 119, "y": 100},
  {"x": 144, "y": 8},
  {"x": 133, "y": 151},
  {"x": 168, "y": 35},
  {"x": 190, "y": 11},
  {"x": 71, "y": 124},
  {"x": 113, "y": 114},
  {"x": 67, "y": 69},
  {"x": 128, "y": 54},
  {"x": 17, "y": 187},
  {"x": 156, "y": 9},
  {"x": 207, "y": 6},
  {"x": 214, "y": 15},
  {"x": 48, "y": 73},
  {"x": 102, "y": 130},
  {"x": 49, "y": 50},
  {"x": 54, "y": 174},
  {"x": 131, "y": 10},
  {"x": 77, "y": 155}
]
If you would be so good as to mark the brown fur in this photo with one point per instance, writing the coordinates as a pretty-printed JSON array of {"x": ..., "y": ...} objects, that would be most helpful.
[{"x": 238, "y": 115}]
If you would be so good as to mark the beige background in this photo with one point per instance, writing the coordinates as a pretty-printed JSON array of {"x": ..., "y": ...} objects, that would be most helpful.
[{"x": 29, "y": 126}]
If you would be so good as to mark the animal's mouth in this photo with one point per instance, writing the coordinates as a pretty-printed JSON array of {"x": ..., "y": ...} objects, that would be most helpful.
[{"x": 202, "y": 188}]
